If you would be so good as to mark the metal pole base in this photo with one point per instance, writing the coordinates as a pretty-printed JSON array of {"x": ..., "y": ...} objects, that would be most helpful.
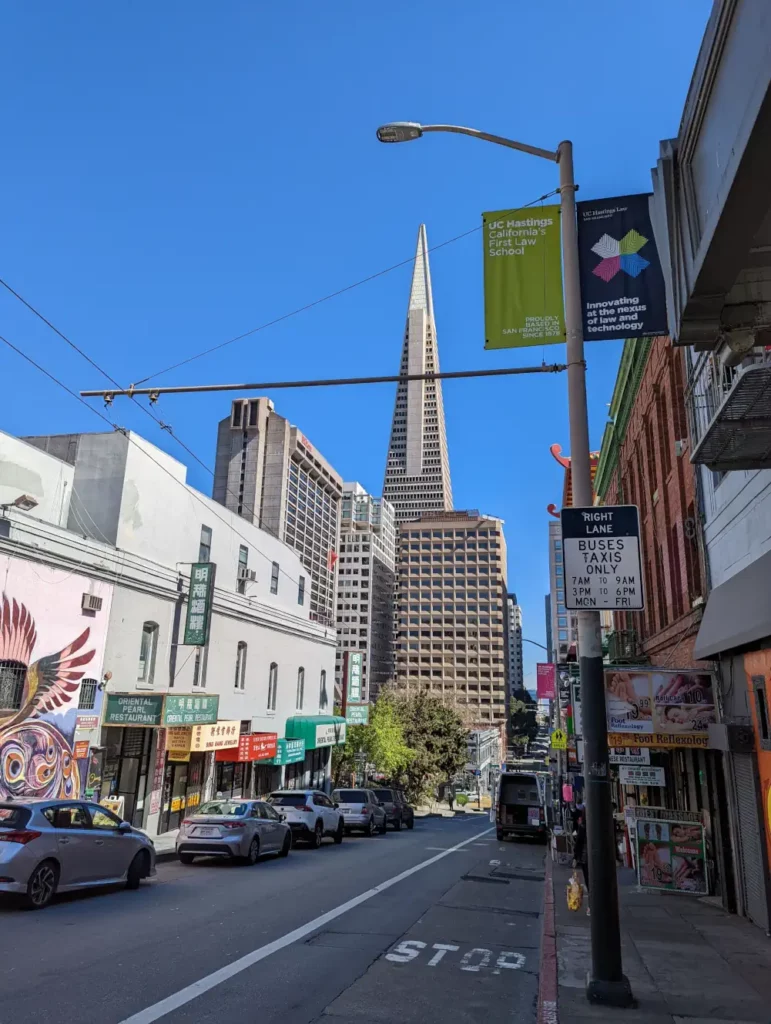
[{"x": 609, "y": 993}]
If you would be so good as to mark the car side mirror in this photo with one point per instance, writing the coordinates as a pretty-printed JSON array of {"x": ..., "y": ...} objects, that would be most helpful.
[
  {"x": 337, "y": 805},
  {"x": 124, "y": 828}
]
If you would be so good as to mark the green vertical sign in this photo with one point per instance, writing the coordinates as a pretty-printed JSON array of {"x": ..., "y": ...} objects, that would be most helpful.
[
  {"x": 354, "y": 677},
  {"x": 523, "y": 278},
  {"x": 199, "y": 604}
]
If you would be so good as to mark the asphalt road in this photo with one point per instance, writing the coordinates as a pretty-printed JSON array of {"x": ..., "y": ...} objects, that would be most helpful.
[{"x": 366, "y": 930}]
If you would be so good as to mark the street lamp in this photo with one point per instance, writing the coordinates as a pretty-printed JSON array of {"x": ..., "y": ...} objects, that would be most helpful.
[{"x": 606, "y": 982}]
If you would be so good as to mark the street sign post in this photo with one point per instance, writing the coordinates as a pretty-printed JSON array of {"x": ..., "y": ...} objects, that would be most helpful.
[{"x": 601, "y": 555}]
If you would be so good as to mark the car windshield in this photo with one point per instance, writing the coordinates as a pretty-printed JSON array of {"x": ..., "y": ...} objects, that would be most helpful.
[
  {"x": 385, "y": 794},
  {"x": 13, "y": 817},
  {"x": 287, "y": 799},
  {"x": 350, "y": 796},
  {"x": 224, "y": 808}
]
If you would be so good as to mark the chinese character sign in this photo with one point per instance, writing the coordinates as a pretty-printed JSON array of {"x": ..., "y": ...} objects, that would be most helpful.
[
  {"x": 189, "y": 709},
  {"x": 215, "y": 736},
  {"x": 199, "y": 604},
  {"x": 355, "y": 677},
  {"x": 523, "y": 278}
]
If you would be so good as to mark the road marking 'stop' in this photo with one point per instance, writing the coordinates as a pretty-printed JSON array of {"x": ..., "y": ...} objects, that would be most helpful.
[{"x": 191, "y": 992}]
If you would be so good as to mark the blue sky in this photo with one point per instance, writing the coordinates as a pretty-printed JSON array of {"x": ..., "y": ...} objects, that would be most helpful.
[{"x": 176, "y": 174}]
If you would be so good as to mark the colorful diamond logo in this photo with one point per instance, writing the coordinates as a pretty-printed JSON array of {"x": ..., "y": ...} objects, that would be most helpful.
[{"x": 620, "y": 255}]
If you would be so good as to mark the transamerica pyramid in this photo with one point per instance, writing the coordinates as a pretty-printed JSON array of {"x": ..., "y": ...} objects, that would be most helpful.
[{"x": 417, "y": 476}]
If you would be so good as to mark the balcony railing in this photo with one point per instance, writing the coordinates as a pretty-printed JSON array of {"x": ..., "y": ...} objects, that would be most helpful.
[
  {"x": 730, "y": 412},
  {"x": 624, "y": 648}
]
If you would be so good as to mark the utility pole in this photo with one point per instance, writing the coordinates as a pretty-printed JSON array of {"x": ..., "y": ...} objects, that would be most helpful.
[{"x": 606, "y": 982}]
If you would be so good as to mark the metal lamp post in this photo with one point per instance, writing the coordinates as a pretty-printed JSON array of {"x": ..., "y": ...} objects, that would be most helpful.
[{"x": 606, "y": 982}]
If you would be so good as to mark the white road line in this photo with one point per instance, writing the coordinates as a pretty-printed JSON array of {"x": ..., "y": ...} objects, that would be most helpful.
[{"x": 191, "y": 992}]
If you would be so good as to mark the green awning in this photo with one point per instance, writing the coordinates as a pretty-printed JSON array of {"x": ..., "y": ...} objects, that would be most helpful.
[{"x": 316, "y": 730}]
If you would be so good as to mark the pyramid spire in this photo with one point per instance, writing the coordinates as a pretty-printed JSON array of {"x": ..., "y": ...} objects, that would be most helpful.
[{"x": 417, "y": 477}]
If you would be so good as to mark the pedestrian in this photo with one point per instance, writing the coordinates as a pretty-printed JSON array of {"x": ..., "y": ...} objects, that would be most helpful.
[{"x": 580, "y": 857}]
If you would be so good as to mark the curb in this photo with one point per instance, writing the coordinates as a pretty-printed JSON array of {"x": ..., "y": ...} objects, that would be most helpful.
[
  {"x": 547, "y": 977},
  {"x": 165, "y": 855}
]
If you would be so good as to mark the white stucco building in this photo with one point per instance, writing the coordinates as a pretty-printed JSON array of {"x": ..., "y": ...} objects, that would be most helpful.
[{"x": 115, "y": 515}]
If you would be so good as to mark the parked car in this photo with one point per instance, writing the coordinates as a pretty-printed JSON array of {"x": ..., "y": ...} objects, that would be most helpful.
[
  {"x": 398, "y": 811},
  {"x": 237, "y": 829},
  {"x": 50, "y": 846},
  {"x": 362, "y": 811},
  {"x": 310, "y": 814}
]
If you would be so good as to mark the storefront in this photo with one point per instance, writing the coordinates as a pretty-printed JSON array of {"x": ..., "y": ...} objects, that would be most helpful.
[
  {"x": 132, "y": 723},
  {"x": 247, "y": 770},
  {"x": 290, "y": 755},
  {"x": 320, "y": 733}
]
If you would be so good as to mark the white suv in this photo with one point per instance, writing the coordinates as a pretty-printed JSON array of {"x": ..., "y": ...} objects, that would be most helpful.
[{"x": 310, "y": 814}]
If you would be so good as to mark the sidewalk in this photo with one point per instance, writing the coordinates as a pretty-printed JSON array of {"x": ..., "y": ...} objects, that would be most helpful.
[{"x": 687, "y": 960}]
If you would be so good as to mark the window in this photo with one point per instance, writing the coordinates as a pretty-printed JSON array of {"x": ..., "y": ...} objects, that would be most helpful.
[
  {"x": 275, "y": 569},
  {"x": 12, "y": 676},
  {"x": 323, "y": 695},
  {"x": 87, "y": 698},
  {"x": 300, "y": 688},
  {"x": 563, "y": 635},
  {"x": 243, "y": 565},
  {"x": 272, "y": 686},
  {"x": 301, "y": 590},
  {"x": 147, "y": 649},
  {"x": 204, "y": 545},
  {"x": 69, "y": 816},
  {"x": 240, "y": 679},
  {"x": 102, "y": 818},
  {"x": 562, "y": 620}
]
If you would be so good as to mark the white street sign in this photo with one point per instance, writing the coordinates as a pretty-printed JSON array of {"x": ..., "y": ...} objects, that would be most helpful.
[
  {"x": 601, "y": 555},
  {"x": 629, "y": 755},
  {"x": 629, "y": 775}
]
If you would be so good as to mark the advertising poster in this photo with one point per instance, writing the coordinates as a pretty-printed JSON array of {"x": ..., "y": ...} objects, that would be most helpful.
[
  {"x": 545, "y": 674},
  {"x": 670, "y": 855},
  {"x": 622, "y": 286},
  {"x": 659, "y": 705},
  {"x": 523, "y": 278}
]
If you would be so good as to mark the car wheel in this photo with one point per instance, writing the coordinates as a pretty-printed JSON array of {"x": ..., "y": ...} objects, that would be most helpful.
[
  {"x": 42, "y": 885},
  {"x": 287, "y": 845},
  {"x": 254, "y": 851},
  {"x": 371, "y": 828},
  {"x": 398, "y": 825},
  {"x": 411, "y": 823},
  {"x": 340, "y": 833},
  {"x": 383, "y": 829},
  {"x": 186, "y": 858},
  {"x": 499, "y": 836},
  {"x": 138, "y": 870},
  {"x": 318, "y": 835}
]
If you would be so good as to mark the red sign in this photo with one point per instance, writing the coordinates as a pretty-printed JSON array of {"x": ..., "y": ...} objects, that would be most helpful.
[
  {"x": 81, "y": 750},
  {"x": 546, "y": 675},
  {"x": 255, "y": 746}
]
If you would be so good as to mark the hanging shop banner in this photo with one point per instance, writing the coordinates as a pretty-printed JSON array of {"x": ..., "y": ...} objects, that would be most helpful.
[
  {"x": 289, "y": 752},
  {"x": 199, "y": 604},
  {"x": 545, "y": 675},
  {"x": 355, "y": 664},
  {"x": 654, "y": 703},
  {"x": 158, "y": 771},
  {"x": 178, "y": 742},
  {"x": 523, "y": 278},
  {"x": 357, "y": 714},
  {"x": 133, "y": 709},
  {"x": 255, "y": 746},
  {"x": 641, "y": 775},
  {"x": 214, "y": 737},
  {"x": 670, "y": 855},
  {"x": 629, "y": 755},
  {"x": 190, "y": 710},
  {"x": 622, "y": 286}
]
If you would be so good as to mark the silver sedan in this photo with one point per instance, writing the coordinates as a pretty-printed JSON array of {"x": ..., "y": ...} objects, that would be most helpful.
[
  {"x": 236, "y": 829},
  {"x": 50, "y": 846}
]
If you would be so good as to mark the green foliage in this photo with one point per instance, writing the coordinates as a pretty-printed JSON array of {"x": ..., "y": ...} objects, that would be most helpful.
[
  {"x": 438, "y": 739},
  {"x": 461, "y": 799},
  {"x": 524, "y": 726},
  {"x": 381, "y": 743}
]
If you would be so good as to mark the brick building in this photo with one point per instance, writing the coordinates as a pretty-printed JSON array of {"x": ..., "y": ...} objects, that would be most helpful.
[{"x": 644, "y": 461}]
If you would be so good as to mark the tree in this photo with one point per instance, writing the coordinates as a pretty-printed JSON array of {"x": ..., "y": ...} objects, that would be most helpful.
[
  {"x": 524, "y": 726},
  {"x": 381, "y": 744},
  {"x": 438, "y": 738}
]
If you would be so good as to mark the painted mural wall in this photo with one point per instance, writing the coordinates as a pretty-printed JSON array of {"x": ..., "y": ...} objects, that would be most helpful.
[{"x": 48, "y": 646}]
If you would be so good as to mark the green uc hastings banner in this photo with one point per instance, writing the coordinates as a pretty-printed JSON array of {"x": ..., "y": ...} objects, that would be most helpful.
[{"x": 523, "y": 278}]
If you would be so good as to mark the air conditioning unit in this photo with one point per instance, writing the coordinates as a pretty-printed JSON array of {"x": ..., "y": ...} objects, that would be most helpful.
[
  {"x": 91, "y": 603},
  {"x": 247, "y": 574}
]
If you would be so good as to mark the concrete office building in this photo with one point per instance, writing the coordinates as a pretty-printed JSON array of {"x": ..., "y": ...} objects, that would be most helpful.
[
  {"x": 267, "y": 471},
  {"x": 417, "y": 476},
  {"x": 450, "y": 609},
  {"x": 514, "y": 643},
  {"x": 365, "y": 591}
]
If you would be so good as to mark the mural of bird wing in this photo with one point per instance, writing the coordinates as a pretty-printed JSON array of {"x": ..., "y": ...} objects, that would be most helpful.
[{"x": 52, "y": 680}]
